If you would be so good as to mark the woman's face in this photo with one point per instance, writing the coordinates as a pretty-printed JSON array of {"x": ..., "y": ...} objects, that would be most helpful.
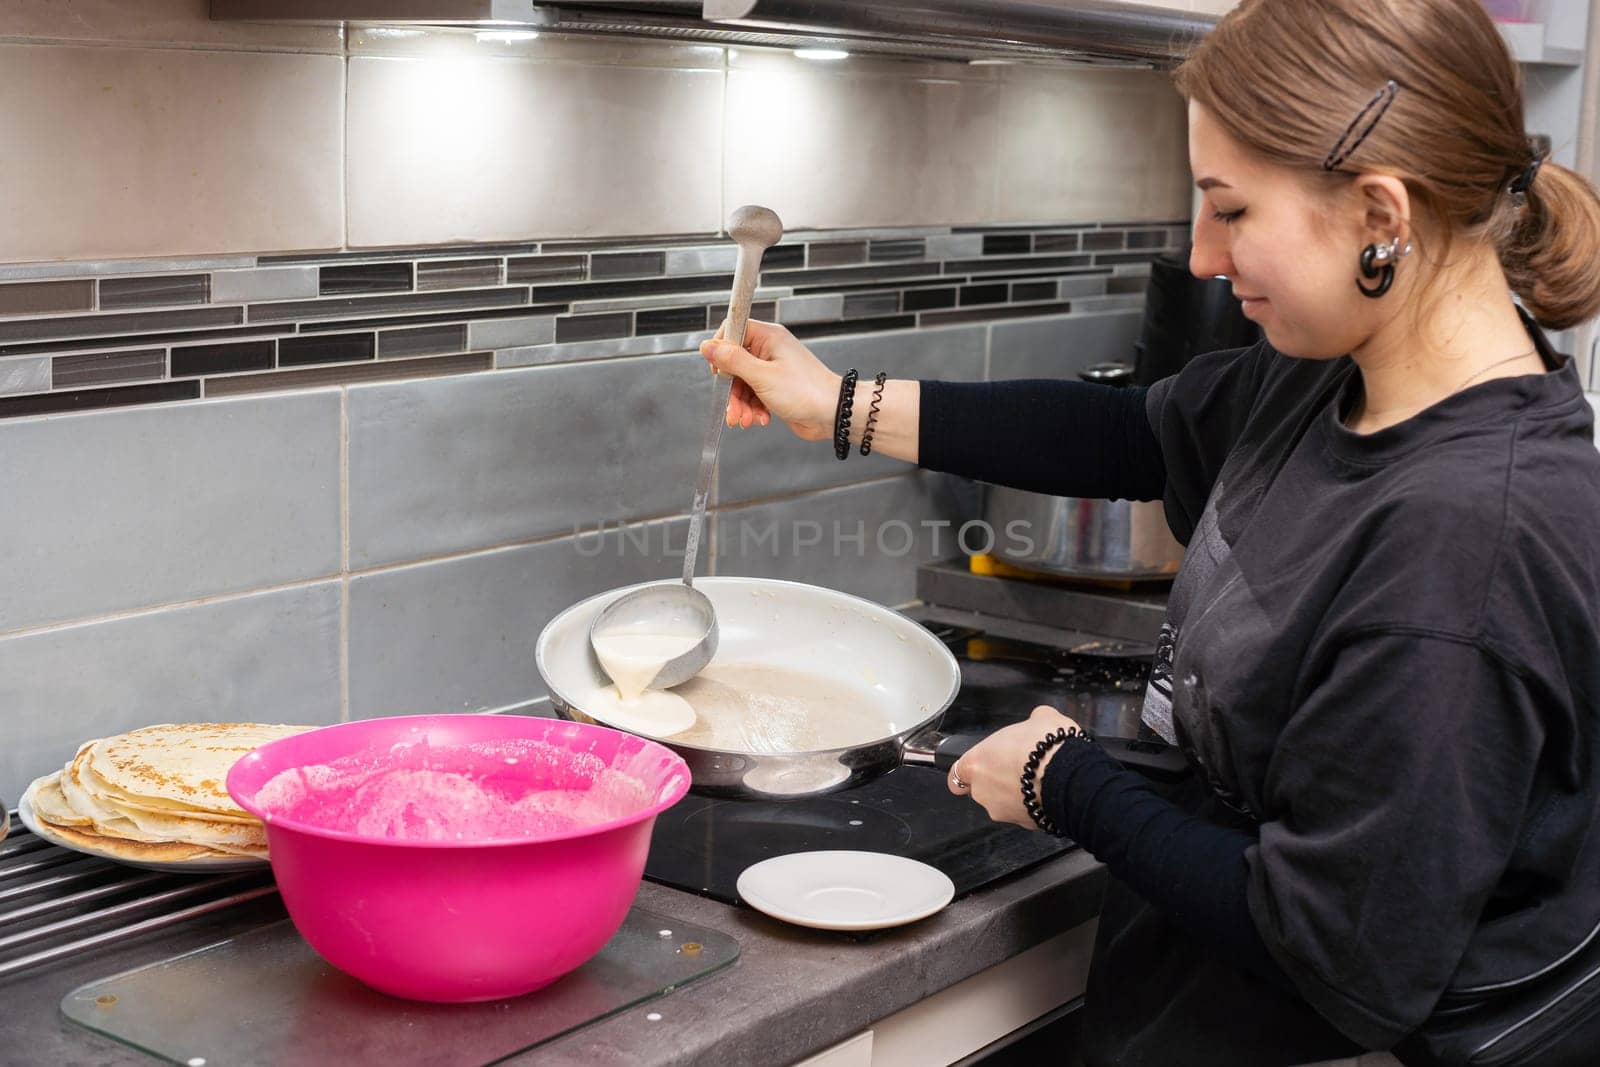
[{"x": 1292, "y": 255}]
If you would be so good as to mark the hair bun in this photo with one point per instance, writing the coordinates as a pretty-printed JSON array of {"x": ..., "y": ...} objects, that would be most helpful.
[{"x": 1550, "y": 256}]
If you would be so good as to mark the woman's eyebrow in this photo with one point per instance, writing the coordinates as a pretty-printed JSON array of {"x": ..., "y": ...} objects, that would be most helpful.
[{"x": 1212, "y": 183}]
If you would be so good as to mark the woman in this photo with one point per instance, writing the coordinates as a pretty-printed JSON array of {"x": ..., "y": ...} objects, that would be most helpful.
[{"x": 1382, "y": 654}]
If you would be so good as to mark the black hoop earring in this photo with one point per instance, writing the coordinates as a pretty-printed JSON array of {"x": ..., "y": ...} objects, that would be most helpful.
[{"x": 1370, "y": 268}]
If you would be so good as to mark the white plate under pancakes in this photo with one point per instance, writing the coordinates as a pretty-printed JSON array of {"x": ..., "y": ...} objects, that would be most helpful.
[
  {"x": 841, "y": 889},
  {"x": 199, "y": 865}
]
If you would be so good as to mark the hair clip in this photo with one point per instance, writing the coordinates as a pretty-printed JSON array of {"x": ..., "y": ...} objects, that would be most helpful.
[
  {"x": 1520, "y": 184},
  {"x": 1365, "y": 120}
]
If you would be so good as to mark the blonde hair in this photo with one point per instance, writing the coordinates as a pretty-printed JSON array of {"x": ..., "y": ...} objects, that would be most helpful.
[{"x": 1285, "y": 78}]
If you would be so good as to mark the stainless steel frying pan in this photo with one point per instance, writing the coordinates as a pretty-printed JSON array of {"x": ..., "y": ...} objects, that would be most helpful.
[
  {"x": 892, "y": 678},
  {"x": 782, "y": 631}
]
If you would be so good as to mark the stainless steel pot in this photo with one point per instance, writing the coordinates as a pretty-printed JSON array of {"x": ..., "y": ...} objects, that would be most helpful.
[
  {"x": 1082, "y": 538},
  {"x": 893, "y": 663}
]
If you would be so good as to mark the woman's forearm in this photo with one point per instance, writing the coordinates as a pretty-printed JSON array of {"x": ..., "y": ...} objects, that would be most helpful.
[
  {"x": 896, "y": 425},
  {"x": 1055, "y": 436}
]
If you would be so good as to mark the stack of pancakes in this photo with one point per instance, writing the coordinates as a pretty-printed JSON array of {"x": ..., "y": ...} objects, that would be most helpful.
[{"x": 157, "y": 794}]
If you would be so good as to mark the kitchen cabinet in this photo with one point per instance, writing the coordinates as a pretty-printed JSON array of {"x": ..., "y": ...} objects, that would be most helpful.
[{"x": 973, "y": 1014}]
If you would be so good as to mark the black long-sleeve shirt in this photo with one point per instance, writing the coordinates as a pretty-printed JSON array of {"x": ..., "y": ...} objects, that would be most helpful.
[
  {"x": 1088, "y": 440},
  {"x": 1383, "y": 656}
]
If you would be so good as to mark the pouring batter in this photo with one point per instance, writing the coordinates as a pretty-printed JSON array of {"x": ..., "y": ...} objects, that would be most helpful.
[{"x": 632, "y": 659}]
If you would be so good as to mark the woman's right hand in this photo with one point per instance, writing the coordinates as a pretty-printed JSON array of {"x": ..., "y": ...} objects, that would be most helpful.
[{"x": 776, "y": 375}]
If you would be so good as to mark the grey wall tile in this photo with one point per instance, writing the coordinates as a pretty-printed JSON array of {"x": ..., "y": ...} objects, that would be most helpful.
[
  {"x": 547, "y": 268},
  {"x": 991, "y": 313},
  {"x": 771, "y": 461},
  {"x": 310, "y": 349},
  {"x": 33, "y": 298},
  {"x": 1061, "y": 346},
  {"x": 714, "y": 259},
  {"x": 626, "y": 264},
  {"x": 78, "y": 400},
  {"x": 349, "y": 374},
  {"x": 103, "y": 368},
  {"x": 1057, "y": 242},
  {"x": 648, "y": 345},
  {"x": 272, "y": 657},
  {"x": 458, "y": 273},
  {"x": 572, "y": 328},
  {"x": 464, "y": 463},
  {"x": 1112, "y": 302},
  {"x": 364, "y": 278},
  {"x": 824, "y": 307},
  {"x": 955, "y": 245},
  {"x": 459, "y": 634},
  {"x": 510, "y": 333},
  {"x": 422, "y": 341},
  {"x": 108, "y": 511},
  {"x": 223, "y": 358},
  {"x": 864, "y": 539},
  {"x": 670, "y": 320},
  {"x": 835, "y": 253},
  {"x": 340, "y": 307},
  {"x": 104, "y": 325},
  {"x": 860, "y": 305},
  {"x": 886, "y": 250},
  {"x": 267, "y": 283},
  {"x": 154, "y": 291},
  {"x": 30, "y": 374},
  {"x": 190, "y": 131},
  {"x": 1083, "y": 285}
]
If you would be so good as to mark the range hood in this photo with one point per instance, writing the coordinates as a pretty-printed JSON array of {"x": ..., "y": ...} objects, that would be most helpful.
[{"x": 1103, "y": 30}]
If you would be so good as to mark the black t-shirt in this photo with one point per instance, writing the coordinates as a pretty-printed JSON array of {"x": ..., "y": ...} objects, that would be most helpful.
[{"x": 1384, "y": 652}]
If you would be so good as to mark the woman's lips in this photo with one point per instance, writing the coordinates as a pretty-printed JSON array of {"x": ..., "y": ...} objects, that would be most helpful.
[{"x": 1248, "y": 304}]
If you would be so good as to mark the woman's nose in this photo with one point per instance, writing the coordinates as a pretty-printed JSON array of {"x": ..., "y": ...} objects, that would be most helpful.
[{"x": 1209, "y": 257}]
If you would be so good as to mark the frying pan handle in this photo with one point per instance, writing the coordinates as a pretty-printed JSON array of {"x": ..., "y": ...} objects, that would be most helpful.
[
  {"x": 934, "y": 749},
  {"x": 1153, "y": 759}
]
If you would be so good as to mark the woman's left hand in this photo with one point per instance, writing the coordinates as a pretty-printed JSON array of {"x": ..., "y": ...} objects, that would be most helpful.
[{"x": 992, "y": 769}]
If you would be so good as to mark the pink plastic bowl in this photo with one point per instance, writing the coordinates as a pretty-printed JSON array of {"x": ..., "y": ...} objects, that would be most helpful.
[{"x": 461, "y": 920}]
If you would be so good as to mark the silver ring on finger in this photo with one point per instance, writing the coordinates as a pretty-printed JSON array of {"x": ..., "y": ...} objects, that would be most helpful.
[{"x": 960, "y": 784}]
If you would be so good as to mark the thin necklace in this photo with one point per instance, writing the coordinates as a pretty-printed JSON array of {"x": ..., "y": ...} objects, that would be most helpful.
[
  {"x": 1497, "y": 363},
  {"x": 1480, "y": 372}
]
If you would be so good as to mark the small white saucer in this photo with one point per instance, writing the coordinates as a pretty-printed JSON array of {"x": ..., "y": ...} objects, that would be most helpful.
[{"x": 844, "y": 890}]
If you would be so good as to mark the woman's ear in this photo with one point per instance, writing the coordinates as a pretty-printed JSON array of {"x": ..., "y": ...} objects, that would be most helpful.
[{"x": 1384, "y": 205}]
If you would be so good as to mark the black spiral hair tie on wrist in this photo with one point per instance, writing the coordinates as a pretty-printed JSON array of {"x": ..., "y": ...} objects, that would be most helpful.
[
  {"x": 1030, "y": 771},
  {"x": 872, "y": 412},
  {"x": 841, "y": 415}
]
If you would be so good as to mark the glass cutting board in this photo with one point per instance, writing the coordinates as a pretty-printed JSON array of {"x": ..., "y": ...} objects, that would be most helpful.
[{"x": 266, "y": 998}]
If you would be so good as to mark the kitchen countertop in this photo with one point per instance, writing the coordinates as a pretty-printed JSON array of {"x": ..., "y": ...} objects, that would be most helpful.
[{"x": 791, "y": 993}]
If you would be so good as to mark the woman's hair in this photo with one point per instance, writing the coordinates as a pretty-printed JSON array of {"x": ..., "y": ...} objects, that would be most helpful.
[{"x": 1286, "y": 79}]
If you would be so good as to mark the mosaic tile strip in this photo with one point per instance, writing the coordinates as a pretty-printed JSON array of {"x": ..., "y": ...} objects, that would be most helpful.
[
  {"x": 102, "y": 335},
  {"x": 160, "y": 291},
  {"x": 107, "y": 368},
  {"x": 32, "y": 298}
]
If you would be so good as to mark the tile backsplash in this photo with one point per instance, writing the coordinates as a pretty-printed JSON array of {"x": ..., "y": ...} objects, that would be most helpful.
[
  {"x": 335, "y": 360},
  {"x": 425, "y": 476},
  {"x": 289, "y": 322}
]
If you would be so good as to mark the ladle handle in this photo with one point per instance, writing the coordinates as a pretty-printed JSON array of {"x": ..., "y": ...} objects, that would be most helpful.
[
  {"x": 722, "y": 386},
  {"x": 746, "y": 272}
]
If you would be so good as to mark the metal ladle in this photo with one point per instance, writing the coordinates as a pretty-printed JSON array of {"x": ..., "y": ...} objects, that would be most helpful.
[{"x": 681, "y": 608}]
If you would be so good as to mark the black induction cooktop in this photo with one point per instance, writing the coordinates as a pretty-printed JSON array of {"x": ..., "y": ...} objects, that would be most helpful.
[{"x": 703, "y": 843}]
